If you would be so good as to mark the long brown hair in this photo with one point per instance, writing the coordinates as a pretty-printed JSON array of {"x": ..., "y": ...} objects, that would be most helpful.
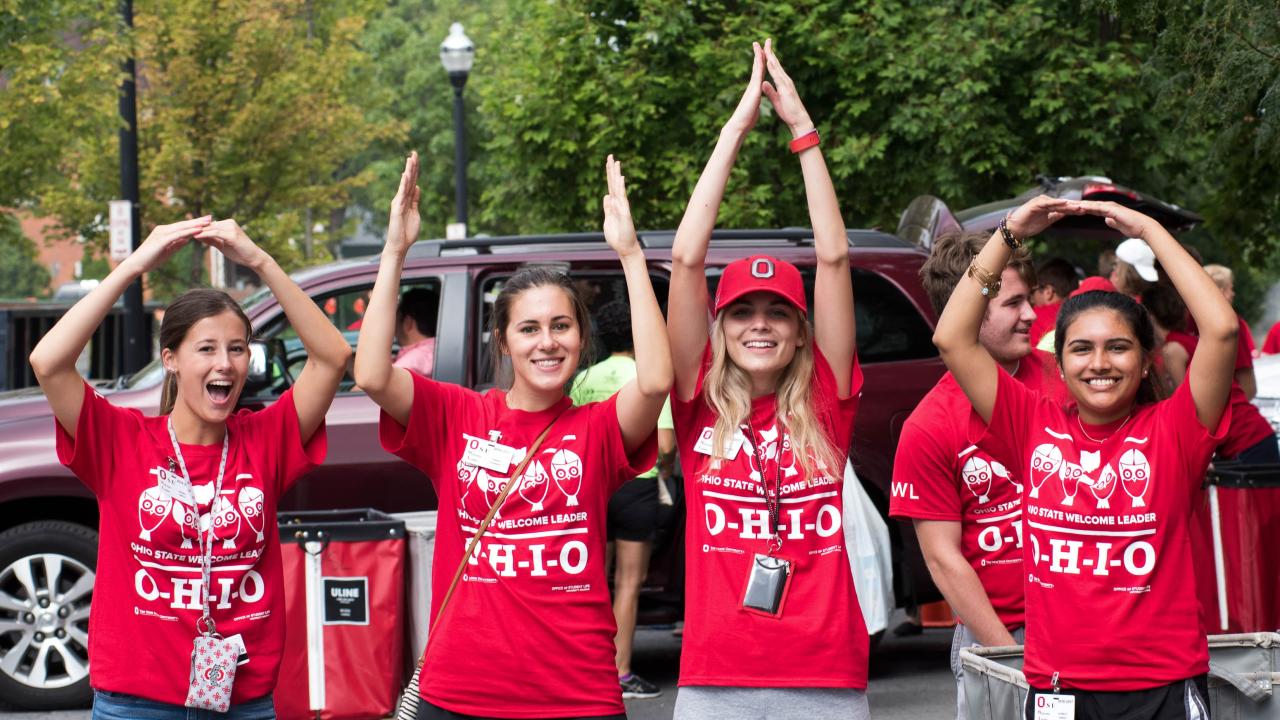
[
  {"x": 529, "y": 278},
  {"x": 190, "y": 308},
  {"x": 728, "y": 390}
]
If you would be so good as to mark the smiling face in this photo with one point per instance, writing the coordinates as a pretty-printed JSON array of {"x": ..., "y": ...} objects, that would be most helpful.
[
  {"x": 543, "y": 339},
  {"x": 1103, "y": 364},
  {"x": 1007, "y": 323},
  {"x": 761, "y": 333},
  {"x": 211, "y": 364}
]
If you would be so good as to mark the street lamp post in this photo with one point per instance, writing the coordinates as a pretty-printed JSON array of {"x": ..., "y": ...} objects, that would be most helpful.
[{"x": 457, "y": 54}]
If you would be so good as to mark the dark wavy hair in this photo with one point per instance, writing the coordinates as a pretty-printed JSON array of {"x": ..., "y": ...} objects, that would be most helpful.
[
  {"x": 188, "y": 309},
  {"x": 527, "y": 279},
  {"x": 1131, "y": 312}
]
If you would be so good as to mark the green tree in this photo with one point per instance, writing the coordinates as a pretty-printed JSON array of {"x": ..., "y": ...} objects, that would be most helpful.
[
  {"x": 247, "y": 108},
  {"x": 21, "y": 274},
  {"x": 968, "y": 100}
]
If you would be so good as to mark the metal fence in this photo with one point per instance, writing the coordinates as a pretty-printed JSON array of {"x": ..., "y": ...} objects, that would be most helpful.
[{"x": 23, "y": 324}]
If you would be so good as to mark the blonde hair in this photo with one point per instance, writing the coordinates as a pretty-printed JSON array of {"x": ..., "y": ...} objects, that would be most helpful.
[
  {"x": 728, "y": 392},
  {"x": 1221, "y": 276}
]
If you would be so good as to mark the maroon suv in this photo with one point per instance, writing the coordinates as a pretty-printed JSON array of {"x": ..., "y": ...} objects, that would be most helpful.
[{"x": 47, "y": 549}]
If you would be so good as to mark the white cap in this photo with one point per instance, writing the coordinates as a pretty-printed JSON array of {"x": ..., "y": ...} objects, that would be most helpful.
[{"x": 1138, "y": 254}]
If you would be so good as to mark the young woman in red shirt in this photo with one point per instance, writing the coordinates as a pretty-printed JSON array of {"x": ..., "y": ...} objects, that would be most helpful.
[
  {"x": 527, "y": 631},
  {"x": 763, "y": 408},
  {"x": 187, "y": 499},
  {"x": 1113, "y": 627}
]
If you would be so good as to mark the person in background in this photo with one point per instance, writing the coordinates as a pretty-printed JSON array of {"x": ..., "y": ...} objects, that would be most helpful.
[
  {"x": 1135, "y": 268},
  {"x": 1225, "y": 280},
  {"x": 964, "y": 504},
  {"x": 1271, "y": 346},
  {"x": 1250, "y": 438},
  {"x": 1106, "y": 262},
  {"x": 636, "y": 509},
  {"x": 1056, "y": 279},
  {"x": 416, "y": 317}
]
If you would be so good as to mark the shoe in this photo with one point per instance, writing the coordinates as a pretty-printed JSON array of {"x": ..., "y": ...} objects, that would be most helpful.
[{"x": 636, "y": 688}]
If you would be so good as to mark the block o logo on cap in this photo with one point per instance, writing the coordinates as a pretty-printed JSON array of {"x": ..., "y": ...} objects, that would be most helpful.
[{"x": 762, "y": 268}]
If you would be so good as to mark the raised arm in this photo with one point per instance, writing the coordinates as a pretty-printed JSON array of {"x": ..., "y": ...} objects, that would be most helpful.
[
  {"x": 687, "y": 299},
  {"x": 1210, "y": 370},
  {"x": 833, "y": 321},
  {"x": 639, "y": 401},
  {"x": 957, "y": 333},
  {"x": 327, "y": 351},
  {"x": 390, "y": 387},
  {"x": 54, "y": 358}
]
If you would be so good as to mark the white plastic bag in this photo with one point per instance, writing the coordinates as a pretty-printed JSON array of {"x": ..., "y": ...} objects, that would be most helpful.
[{"x": 866, "y": 537}]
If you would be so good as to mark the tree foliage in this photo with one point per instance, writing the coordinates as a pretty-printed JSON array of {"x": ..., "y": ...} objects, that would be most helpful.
[{"x": 21, "y": 274}]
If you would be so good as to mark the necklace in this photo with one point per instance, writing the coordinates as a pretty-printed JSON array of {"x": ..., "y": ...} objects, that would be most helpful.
[{"x": 1090, "y": 438}]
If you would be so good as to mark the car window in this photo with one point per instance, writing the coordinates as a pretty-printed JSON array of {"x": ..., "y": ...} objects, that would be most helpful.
[
  {"x": 345, "y": 309},
  {"x": 596, "y": 287}
]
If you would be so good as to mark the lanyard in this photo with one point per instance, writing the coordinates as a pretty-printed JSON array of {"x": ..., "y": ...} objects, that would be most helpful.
[
  {"x": 206, "y": 541},
  {"x": 772, "y": 500}
]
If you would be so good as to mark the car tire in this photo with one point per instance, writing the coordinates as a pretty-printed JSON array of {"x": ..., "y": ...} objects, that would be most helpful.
[{"x": 46, "y": 585}]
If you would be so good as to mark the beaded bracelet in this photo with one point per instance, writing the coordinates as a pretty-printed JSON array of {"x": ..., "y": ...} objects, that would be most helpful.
[{"x": 1013, "y": 242}]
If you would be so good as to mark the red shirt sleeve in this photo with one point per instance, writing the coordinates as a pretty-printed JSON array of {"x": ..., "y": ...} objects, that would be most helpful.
[
  {"x": 1195, "y": 444},
  {"x": 604, "y": 423},
  {"x": 1272, "y": 344},
  {"x": 1244, "y": 346},
  {"x": 923, "y": 477},
  {"x": 1012, "y": 419},
  {"x": 422, "y": 442},
  {"x": 277, "y": 440},
  {"x": 101, "y": 430}
]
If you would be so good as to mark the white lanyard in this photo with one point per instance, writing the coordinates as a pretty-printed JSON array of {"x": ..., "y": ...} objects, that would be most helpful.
[{"x": 206, "y": 541}]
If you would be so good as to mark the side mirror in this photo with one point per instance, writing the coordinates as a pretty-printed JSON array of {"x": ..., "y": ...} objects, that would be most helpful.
[
  {"x": 259, "y": 364},
  {"x": 266, "y": 368}
]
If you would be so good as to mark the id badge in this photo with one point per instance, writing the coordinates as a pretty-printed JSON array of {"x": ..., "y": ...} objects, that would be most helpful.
[
  {"x": 768, "y": 582},
  {"x": 213, "y": 671},
  {"x": 488, "y": 455},
  {"x": 1052, "y": 706},
  {"x": 703, "y": 445}
]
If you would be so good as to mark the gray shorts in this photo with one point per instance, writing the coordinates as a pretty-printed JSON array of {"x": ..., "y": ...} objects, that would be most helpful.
[
  {"x": 963, "y": 639},
  {"x": 706, "y": 702}
]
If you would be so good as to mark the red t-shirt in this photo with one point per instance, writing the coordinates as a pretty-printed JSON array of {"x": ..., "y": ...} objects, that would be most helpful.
[
  {"x": 1111, "y": 602},
  {"x": 1272, "y": 344},
  {"x": 1046, "y": 318},
  {"x": 147, "y": 597},
  {"x": 1244, "y": 345},
  {"x": 529, "y": 630},
  {"x": 1248, "y": 426},
  {"x": 820, "y": 639},
  {"x": 940, "y": 474}
]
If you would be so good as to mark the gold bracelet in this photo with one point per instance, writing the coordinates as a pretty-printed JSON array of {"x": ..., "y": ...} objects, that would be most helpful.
[{"x": 988, "y": 281}]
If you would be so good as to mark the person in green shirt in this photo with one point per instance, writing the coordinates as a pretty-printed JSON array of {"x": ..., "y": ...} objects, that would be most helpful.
[{"x": 636, "y": 508}]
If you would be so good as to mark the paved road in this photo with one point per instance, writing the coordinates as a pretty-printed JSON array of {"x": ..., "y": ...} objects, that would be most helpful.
[{"x": 910, "y": 679}]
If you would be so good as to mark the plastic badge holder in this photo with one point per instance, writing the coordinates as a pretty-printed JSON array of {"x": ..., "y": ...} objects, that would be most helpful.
[{"x": 767, "y": 585}]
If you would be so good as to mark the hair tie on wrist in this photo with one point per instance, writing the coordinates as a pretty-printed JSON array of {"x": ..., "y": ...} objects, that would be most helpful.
[{"x": 805, "y": 141}]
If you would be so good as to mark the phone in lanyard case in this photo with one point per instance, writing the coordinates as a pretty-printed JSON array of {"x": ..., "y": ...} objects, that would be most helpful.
[{"x": 768, "y": 582}]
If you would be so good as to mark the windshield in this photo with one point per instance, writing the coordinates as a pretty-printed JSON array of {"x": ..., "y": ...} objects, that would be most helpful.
[{"x": 151, "y": 374}]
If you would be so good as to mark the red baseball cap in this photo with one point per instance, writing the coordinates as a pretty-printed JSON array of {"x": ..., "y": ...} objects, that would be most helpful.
[
  {"x": 1094, "y": 283},
  {"x": 761, "y": 272}
]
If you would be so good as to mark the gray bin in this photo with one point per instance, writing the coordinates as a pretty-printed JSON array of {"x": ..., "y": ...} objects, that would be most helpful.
[
  {"x": 420, "y": 529},
  {"x": 1243, "y": 671}
]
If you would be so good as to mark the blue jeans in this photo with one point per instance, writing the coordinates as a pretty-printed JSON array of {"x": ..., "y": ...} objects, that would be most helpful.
[{"x": 119, "y": 706}]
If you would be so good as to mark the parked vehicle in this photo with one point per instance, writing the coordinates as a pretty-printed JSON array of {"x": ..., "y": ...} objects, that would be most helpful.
[{"x": 48, "y": 544}]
